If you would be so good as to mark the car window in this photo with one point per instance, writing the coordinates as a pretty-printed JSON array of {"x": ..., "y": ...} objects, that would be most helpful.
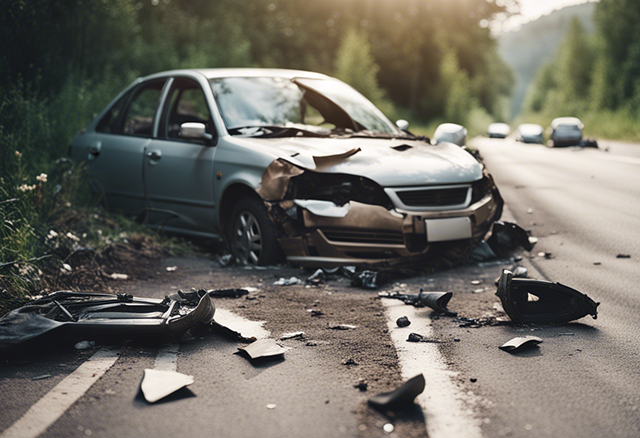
[
  {"x": 186, "y": 103},
  {"x": 138, "y": 119},
  {"x": 109, "y": 123}
]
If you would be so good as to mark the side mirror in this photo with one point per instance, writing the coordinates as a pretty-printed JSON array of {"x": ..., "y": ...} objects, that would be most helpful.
[
  {"x": 402, "y": 124},
  {"x": 194, "y": 131}
]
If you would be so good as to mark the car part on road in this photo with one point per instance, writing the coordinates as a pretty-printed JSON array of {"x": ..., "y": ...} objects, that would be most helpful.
[
  {"x": 75, "y": 316},
  {"x": 517, "y": 344},
  {"x": 316, "y": 278},
  {"x": 403, "y": 322},
  {"x": 158, "y": 384},
  {"x": 529, "y": 301},
  {"x": 417, "y": 337},
  {"x": 287, "y": 281},
  {"x": 227, "y": 293},
  {"x": 435, "y": 300},
  {"x": 518, "y": 272},
  {"x": 507, "y": 236},
  {"x": 293, "y": 335},
  {"x": 401, "y": 398},
  {"x": 343, "y": 327},
  {"x": 264, "y": 348}
]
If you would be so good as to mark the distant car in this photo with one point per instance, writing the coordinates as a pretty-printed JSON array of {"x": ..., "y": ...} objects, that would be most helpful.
[
  {"x": 529, "y": 133},
  {"x": 498, "y": 130},
  {"x": 283, "y": 162},
  {"x": 566, "y": 131},
  {"x": 450, "y": 132}
]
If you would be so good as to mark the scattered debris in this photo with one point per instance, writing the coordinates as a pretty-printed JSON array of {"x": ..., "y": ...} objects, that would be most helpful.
[
  {"x": 507, "y": 236},
  {"x": 227, "y": 293},
  {"x": 435, "y": 300},
  {"x": 293, "y": 335},
  {"x": 287, "y": 281},
  {"x": 530, "y": 211},
  {"x": 343, "y": 327},
  {"x": 546, "y": 255},
  {"x": 361, "y": 385},
  {"x": 403, "y": 322},
  {"x": 539, "y": 301},
  {"x": 42, "y": 377},
  {"x": 565, "y": 334},
  {"x": 263, "y": 348},
  {"x": 476, "y": 282},
  {"x": 172, "y": 268},
  {"x": 226, "y": 331},
  {"x": 473, "y": 380},
  {"x": 479, "y": 290},
  {"x": 226, "y": 260},
  {"x": 311, "y": 344},
  {"x": 518, "y": 272},
  {"x": 84, "y": 345},
  {"x": 401, "y": 397},
  {"x": 157, "y": 384},
  {"x": 517, "y": 344},
  {"x": 314, "y": 312},
  {"x": 623, "y": 256},
  {"x": 479, "y": 322},
  {"x": 366, "y": 279},
  {"x": 415, "y": 337},
  {"x": 74, "y": 316},
  {"x": 119, "y": 276},
  {"x": 597, "y": 263},
  {"x": 271, "y": 406},
  {"x": 388, "y": 428},
  {"x": 317, "y": 278},
  {"x": 350, "y": 362}
]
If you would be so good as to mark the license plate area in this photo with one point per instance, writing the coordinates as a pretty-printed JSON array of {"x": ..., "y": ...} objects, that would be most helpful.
[{"x": 453, "y": 228}]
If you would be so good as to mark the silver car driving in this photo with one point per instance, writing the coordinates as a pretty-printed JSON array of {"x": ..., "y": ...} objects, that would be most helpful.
[{"x": 283, "y": 163}]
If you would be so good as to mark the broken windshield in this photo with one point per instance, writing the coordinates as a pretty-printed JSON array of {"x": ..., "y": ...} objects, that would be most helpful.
[{"x": 246, "y": 102}]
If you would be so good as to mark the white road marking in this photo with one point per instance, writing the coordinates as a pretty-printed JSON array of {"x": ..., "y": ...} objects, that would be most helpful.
[
  {"x": 245, "y": 327},
  {"x": 49, "y": 408},
  {"x": 442, "y": 403},
  {"x": 167, "y": 358}
]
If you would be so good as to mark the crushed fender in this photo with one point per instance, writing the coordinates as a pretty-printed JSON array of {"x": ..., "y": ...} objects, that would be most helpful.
[
  {"x": 517, "y": 344},
  {"x": 435, "y": 300},
  {"x": 264, "y": 348},
  {"x": 157, "y": 384},
  {"x": 402, "y": 397},
  {"x": 530, "y": 301},
  {"x": 76, "y": 316}
]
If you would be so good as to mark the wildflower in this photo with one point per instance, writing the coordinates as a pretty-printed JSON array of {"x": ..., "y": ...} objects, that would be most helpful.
[
  {"x": 73, "y": 237},
  {"x": 52, "y": 235},
  {"x": 67, "y": 204},
  {"x": 42, "y": 177},
  {"x": 18, "y": 154},
  {"x": 26, "y": 187}
]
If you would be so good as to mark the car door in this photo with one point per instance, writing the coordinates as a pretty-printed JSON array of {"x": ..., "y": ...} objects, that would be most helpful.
[
  {"x": 179, "y": 170},
  {"x": 116, "y": 147}
]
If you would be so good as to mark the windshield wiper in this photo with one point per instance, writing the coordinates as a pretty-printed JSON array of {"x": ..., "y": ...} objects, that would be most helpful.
[{"x": 273, "y": 131}]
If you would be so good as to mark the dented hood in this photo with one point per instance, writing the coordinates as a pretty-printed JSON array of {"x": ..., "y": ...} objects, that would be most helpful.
[{"x": 386, "y": 161}]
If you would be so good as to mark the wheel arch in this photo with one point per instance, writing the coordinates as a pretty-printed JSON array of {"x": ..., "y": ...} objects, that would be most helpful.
[{"x": 232, "y": 194}]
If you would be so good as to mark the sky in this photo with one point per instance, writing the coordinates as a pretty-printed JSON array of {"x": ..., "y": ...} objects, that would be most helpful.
[{"x": 532, "y": 9}]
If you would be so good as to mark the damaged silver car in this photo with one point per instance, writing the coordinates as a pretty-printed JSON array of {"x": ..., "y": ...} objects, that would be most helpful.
[{"x": 283, "y": 162}]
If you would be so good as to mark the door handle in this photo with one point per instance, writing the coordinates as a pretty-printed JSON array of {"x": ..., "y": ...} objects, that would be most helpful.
[
  {"x": 154, "y": 155},
  {"x": 94, "y": 150}
]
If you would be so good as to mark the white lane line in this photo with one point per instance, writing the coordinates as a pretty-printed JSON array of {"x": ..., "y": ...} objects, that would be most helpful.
[
  {"x": 167, "y": 358},
  {"x": 49, "y": 408},
  {"x": 442, "y": 403},
  {"x": 245, "y": 327}
]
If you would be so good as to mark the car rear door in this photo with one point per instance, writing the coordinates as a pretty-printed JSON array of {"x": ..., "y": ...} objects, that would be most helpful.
[
  {"x": 115, "y": 149},
  {"x": 179, "y": 171}
]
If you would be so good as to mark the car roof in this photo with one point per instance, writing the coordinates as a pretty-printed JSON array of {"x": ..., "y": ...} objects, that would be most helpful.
[
  {"x": 213, "y": 73},
  {"x": 566, "y": 121}
]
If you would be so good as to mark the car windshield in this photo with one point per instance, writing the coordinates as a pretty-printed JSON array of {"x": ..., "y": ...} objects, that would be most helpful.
[{"x": 301, "y": 104}]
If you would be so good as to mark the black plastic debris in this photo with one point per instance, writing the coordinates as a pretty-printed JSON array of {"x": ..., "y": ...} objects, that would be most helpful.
[
  {"x": 226, "y": 260},
  {"x": 366, "y": 279},
  {"x": 402, "y": 397},
  {"x": 517, "y": 344},
  {"x": 623, "y": 256},
  {"x": 343, "y": 327},
  {"x": 361, "y": 385},
  {"x": 76, "y": 316},
  {"x": 435, "y": 300},
  {"x": 416, "y": 337},
  {"x": 317, "y": 278},
  {"x": 227, "y": 293},
  {"x": 538, "y": 301},
  {"x": 507, "y": 236},
  {"x": 157, "y": 384},
  {"x": 403, "y": 322},
  {"x": 350, "y": 362},
  {"x": 518, "y": 272},
  {"x": 264, "y": 348}
]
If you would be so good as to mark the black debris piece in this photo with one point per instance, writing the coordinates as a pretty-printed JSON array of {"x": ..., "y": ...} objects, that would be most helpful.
[
  {"x": 157, "y": 384},
  {"x": 227, "y": 293},
  {"x": 435, "y": 300},
  {"x": 623, "y": 256},
  {"x": 529, "y": 301},
  {"x": 518, "y": 272},
  {"x": 350, "y": 362},
  {"x": 361, "y": 385},
  {"x": 366, "y": 279},
  {"x": 401, "y": 398},
  {"x": 403, "y": 322},
  {"x": 264, "y": 348},
  {"x": 314, "y": 312},
  {"x": 517, "y": 344},
  {"x": 507, "y": 236},
  {"x": 479, "y": 322},
  {"x": 293, "y": 335},
  {"x": 226, "y": 260},
  {"x": 110, "y": 319},
  {"x": 343, "y": 327},
  {"x": 589, "y": 143},
  {"x": 232, "y": 334},
  {"x": 317, "y": 278},
  {"x": 416, "y": 337}
]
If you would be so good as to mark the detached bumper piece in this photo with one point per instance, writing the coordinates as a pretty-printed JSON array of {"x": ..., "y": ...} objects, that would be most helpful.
[
  {"x": 401, "y": 398},
  {"x": 529, "y": 301},
  {"x": 71, "y": 316}
]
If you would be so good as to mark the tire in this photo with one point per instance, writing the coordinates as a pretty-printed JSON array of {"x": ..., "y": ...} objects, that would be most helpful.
[{"x": 250, "y": 234}]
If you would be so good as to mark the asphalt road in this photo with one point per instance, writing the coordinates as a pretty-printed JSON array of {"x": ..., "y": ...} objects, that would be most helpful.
[{"x": 583, "y": 380}]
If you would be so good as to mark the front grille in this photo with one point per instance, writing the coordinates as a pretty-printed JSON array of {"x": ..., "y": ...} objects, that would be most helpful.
[
  {"x": 348, "y": 235},
  {"x": 433, "y": 197}
]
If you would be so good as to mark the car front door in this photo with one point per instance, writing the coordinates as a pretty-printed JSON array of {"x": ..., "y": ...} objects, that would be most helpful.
[{"x": 178, "y": 170}]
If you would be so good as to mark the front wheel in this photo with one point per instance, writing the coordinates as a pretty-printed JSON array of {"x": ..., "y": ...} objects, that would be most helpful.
[{"x": 251, "y": 235}]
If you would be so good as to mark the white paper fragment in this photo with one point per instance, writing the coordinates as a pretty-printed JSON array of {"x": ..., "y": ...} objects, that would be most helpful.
[{"x": 157, "y": 384}]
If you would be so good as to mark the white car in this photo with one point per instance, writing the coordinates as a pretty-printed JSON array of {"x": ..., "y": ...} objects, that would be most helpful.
[
  {"x": 498, "y": 130},
  {"x": 530, "y": 133},
  {"x": 283, "y": 162}
]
